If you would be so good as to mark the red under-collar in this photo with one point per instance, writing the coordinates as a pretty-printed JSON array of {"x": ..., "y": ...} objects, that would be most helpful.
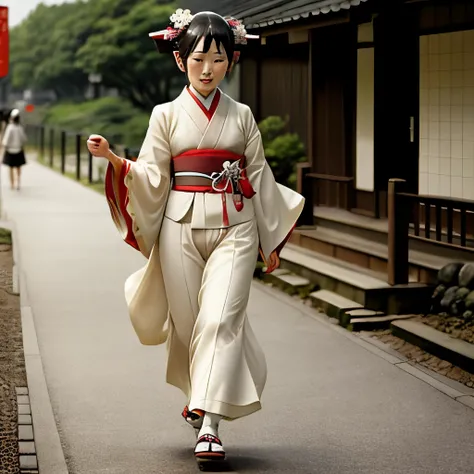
[{"x": 215, "y": 102}]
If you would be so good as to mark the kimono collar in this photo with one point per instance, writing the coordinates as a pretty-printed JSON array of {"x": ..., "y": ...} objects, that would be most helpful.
[
  {"x": 206, "y": 101},
  {"x": 198, "y": 99}
]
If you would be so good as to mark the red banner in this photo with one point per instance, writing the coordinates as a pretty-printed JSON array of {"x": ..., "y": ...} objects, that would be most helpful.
[{"x": 4, "y": 48}]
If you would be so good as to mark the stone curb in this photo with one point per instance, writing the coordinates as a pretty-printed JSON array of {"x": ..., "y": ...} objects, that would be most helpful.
[
  {"x": 452, "y": 389},
  {"x": 26, "y": 439},
  {"x": 40, "y": 449},
  {"x": 440, "y": 344}
]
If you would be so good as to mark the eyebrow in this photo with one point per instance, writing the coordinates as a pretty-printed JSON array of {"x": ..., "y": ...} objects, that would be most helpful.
[{"x": 202, "y": 52}]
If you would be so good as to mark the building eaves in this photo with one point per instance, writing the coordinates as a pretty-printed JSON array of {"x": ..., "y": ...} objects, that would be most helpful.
[{"x": 256, "y": 14}]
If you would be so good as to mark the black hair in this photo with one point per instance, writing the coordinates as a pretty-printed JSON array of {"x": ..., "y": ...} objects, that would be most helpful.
[
  {"x": 16, "y": 119},
  {"x": 207, "y": 25},
  {"x": 210, "y": 26}
]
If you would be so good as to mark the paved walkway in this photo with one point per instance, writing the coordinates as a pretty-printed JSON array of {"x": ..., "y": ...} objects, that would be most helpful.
[{"x": 330, "y": 406}]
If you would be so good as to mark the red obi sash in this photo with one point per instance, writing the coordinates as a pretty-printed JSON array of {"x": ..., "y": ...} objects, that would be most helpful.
[{"x": 213, "y": 171}]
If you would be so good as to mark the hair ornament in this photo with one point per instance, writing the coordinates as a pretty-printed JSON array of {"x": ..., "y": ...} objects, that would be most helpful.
[
  {"x": 181, "y": 19},
  {"x": 239, "y": 30}
]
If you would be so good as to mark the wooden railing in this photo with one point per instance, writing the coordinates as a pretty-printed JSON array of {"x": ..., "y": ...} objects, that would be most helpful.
[
  {"x": 445, "y": 221},
  {"x": 342, "y": 192}
]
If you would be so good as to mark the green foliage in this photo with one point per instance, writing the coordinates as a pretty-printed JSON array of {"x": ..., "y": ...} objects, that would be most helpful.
[
  {"x": 271, "y": 127},
  {"x": 282, "y": 150},
  {"x": 5, "y": 236},
  {"x": 112, "y": 117},
  {"x": 58, "y": 46}
]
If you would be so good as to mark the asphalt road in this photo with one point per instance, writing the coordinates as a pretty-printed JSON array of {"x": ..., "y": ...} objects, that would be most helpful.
[{"x": 330, "y": 406}]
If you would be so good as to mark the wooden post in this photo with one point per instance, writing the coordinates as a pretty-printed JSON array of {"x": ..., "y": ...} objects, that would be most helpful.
[
  {"x": 90, "y": 168},
  {"x": 41, "y": 145},
  {"x": 51, "y": 147},
  {"x": 78, "y": 157},
  {"x": 398, "y": 220},
  {"x": 305, "y": 188},
  {"x": 63, "y": 151}
]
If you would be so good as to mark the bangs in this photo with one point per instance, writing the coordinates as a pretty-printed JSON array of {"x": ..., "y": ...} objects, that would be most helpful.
[{"x": 211, "y": 27}]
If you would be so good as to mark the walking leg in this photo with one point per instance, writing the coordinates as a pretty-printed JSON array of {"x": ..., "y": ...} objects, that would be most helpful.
[
  {"x": 18, "y": 177},
  {"x": 12, "y": 177}
]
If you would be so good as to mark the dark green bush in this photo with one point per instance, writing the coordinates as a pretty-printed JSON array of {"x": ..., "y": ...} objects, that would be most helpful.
[{"x": 282, "y": 150}]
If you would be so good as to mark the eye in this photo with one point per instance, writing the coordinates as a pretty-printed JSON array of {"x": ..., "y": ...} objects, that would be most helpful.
[
  {"x": 219, "y": 61},
  {"x": 198, "y": 60}
]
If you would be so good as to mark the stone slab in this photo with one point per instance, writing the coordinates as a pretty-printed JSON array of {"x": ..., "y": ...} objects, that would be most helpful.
[
  {"x": 380, "y": 319},
  {"x": 24, "y": 410},
  {"x": 334, "y": 299},
  {"x": 466, "y": 400},
  {"x": 25, "y": 433},
  {"x": 448, "y": 348},
  {"x": 374, "y": 322},
  {"x": 332, "y": 303},
  {"x": 363, "y": 313},
  {"x": 23, "y": 400},
  {"x": 294, "y": 280},
  {"x": 24, "y": 420},
  {"x": 21, "y": 390},
  {"x": 28, "y": 462},
  {"x": 27, "y": 447},
  {"x": 280, "y": 271}
]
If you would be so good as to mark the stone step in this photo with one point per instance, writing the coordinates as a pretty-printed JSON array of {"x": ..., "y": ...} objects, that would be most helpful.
[
  {"x": 289, "y": 282},
  {"x": 363, "y": 246},
  {"x": 358, "y": 314},
  {"x": 332, "y": 267},
  {"x": 332, "y": 303},
  {"x": 365, "y": 287},
  {"x": 442, "y": 345},
  {"x": 374, "y": 322}
]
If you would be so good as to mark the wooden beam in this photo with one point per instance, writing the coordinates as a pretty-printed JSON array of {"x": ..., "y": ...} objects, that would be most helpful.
[{"x": 310, "y": 111}]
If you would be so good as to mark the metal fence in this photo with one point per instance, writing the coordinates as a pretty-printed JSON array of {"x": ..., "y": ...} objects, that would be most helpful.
[{"x": 68, "y": 151}]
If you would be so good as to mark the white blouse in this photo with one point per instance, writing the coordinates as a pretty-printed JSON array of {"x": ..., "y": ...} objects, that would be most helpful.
[{"x": 14, "y": 138}]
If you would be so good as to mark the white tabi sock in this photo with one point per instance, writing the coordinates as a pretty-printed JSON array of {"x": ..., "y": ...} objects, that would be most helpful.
[{"x": 210, "y": 424}]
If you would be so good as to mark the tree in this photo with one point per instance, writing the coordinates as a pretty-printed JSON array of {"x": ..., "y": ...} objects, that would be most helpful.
[
  {"x": 43, "y": 49},
  {"x": 58, "y": 46},
  {"x": 122, "y": 52}
]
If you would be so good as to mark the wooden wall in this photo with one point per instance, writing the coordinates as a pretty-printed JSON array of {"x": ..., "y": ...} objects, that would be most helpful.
[{"x": 275, "y": 82}]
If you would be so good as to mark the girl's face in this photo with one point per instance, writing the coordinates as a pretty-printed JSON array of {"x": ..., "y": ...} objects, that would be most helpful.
[{"x": 207, "y": 70}]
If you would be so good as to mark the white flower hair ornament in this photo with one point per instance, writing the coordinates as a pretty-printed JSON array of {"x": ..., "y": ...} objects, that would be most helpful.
[{"x": 181, "y": 19}]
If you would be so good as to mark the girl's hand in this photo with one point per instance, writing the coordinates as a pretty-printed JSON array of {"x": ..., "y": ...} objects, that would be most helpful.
[
  {"x": 98, "y": 146},
  {"x": 273, "y": 262}
]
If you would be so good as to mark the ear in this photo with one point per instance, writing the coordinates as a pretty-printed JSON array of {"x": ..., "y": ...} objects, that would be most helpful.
[
  {"x": 235, "y": 60},
  {"x": 179, "y": 61}
]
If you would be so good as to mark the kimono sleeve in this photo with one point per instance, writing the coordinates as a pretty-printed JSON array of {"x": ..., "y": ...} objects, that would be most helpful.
[
  {"x": 137, "y": 197},
  {"x": 277, "y": 207}
]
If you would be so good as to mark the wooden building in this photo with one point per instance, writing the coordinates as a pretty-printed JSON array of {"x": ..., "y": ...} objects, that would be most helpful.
[{"x": 376, "y": 89}]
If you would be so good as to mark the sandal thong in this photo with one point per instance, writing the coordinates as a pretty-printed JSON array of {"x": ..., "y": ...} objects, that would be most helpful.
[{"x": 209, "y": 447}]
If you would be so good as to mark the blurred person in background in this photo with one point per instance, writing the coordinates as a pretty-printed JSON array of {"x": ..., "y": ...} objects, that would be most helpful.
[{"x": 13, "y": 141}]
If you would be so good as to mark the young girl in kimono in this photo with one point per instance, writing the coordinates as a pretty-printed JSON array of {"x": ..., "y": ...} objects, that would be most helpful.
[{"x": 200, "y": 203}]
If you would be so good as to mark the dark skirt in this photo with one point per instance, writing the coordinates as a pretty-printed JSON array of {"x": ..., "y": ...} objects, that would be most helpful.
[{"x": 15, "y": 160}]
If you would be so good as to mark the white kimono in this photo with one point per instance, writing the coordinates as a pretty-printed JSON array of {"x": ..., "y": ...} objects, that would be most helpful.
[{"x": 194, "y": 289}]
